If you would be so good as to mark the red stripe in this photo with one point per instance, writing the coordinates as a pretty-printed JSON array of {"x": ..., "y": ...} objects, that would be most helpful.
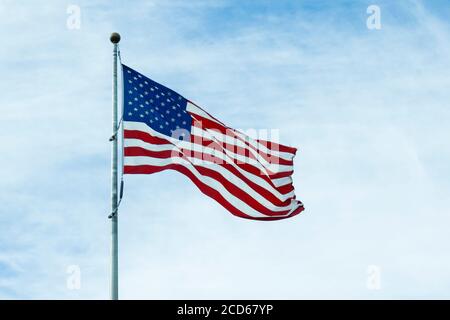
[
  {"x": 207, "y": 190},
  {"x": 276, "y": 146},
  {"x": 282, "y": 174},
  {"x": 286, "y": 188},
  {"x": 138, "y": 151},
  {"x": 144, "y": 136},
  {"x": 269, "y": 196}
]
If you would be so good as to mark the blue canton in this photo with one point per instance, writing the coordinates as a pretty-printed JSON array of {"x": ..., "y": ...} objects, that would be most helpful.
[{"x": 149, "y": 102}]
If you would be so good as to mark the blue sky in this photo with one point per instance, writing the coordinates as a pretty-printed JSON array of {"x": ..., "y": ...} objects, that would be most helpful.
[{"x": 368, "y": 110}]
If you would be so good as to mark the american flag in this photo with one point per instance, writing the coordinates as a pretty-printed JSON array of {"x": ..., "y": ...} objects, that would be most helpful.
[{"x": 251, "y": 178}]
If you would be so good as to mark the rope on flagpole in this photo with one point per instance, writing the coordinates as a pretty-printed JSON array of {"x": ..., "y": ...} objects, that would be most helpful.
[{"x": 121, "y": 126}]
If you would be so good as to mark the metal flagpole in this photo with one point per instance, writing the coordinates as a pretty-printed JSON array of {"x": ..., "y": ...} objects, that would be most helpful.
[{"x": 115, "y": 38}]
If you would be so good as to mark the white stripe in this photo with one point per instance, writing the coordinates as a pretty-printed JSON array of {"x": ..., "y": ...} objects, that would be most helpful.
[
  {"x": 282, "y": 181},
  {"x": 140, "y": 126},
  {"x": 217, "y": 167},
  {"x": 236, "y": 202},
  {"x": 191, "y": 108}
]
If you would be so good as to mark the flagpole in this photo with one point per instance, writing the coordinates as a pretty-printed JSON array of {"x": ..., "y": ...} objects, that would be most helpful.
[{"x": 115, "y": 38}]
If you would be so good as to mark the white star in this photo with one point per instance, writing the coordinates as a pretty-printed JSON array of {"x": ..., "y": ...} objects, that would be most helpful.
[
  {"x": 135, "y": 109},
  {"x": 157, "y": 96},
  {"x": 129, "y": 81},
  {"x": 129, "y": 102},
  {"x": 130, "y": 114},
  {"x": 134, "y": 78},
  {"x": 141, "y": 115}
]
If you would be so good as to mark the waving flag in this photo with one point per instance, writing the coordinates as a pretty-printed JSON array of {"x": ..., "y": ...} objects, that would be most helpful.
[{"x": 251, "y": 178}]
